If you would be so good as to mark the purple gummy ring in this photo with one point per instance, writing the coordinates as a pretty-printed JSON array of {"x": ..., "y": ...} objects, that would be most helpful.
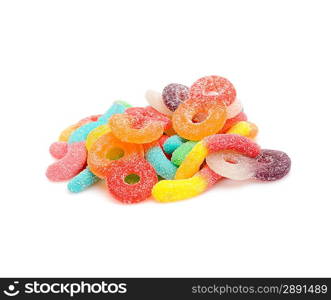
[
  {"x": 174, "y": 94},
  {"x": 272, "y": 165}
]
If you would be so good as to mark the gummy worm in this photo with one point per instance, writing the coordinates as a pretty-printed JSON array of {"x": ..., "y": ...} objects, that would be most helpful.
[
  {"x": 174, "y": 190},
  {"x": 69, "y": 165},
  {"x": 162, "y": 165}
]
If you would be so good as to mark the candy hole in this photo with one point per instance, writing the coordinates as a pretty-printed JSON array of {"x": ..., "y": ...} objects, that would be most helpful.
[
  {"x": 199, "y": 117},
  {"x": 132, "y": 179},
  {"x": 115, "y": 153},
  {"x": 231, "y": 160},
  {"x": 211, "y": 93}
]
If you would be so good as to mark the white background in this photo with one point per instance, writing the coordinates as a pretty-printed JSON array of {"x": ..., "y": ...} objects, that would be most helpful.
[{"x": 63, "y": 60}]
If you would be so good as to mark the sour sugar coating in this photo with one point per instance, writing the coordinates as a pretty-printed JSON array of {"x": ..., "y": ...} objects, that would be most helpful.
[
  {"x": 95, "y": 134},
  {"x": 213, "y": 88},
  {"x": 174, "y": 94},
  {"x": 58, "y": 149},
  {"x": 82, "y": 132},
  {"x": 172, "y": 143},
  {"x": 65, "y": 134},
  {"x": 69, "y": 165},
  {"x": 82, "y": 181},
  {"x": 179, "y": 155},
  {"x": 106, "y": 150},
  {"x": 162, "y": 165},
  {"x": 244, "y": 128},
  {"x": 144, "y": 114},
  {"x": 272, "y": 165},
  {"x": 174, "y": 190},
  {"x": 155, "y": 100},
  {"x": 234, "y": 108},
  {"x": 131, "y": 180},
  {"x": 211, "y": 144},
  {"x": 212, "y": 119},
  {"x": 121, "y": 126},
  {"x": 232, "y": 165},
  {"x": 230, "y": 122}
]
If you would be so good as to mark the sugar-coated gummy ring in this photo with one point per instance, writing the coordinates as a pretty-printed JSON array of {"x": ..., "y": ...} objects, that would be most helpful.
[
  {"x": 213, "y": 88},
  {"x": 272, "y": 165},
  {"x": 131, "y": 180},
  {"x": 106, "y": 150},
  {"x": 211, "y": 144},
  {"x": 69, "y": 165},
  {"x": 179, "y": 155},
  {"x": 174, "y": 94},
  {"x": 154, "y": 99},
  {"x": 174, "y": 190},
  {"x": 232, "y": 165},
  {"x": 121, "y": 127},
  {"x": 183, "y": 119},
  {"x": 269, "y": 165},
  {"x": 162, "y": 165}
]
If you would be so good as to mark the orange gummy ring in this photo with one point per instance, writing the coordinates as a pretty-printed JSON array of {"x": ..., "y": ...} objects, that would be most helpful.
[
  {"x": 121, "y": 127},
  {"x": 195, "y": 119},
  {"x": 106, "y": 150}
]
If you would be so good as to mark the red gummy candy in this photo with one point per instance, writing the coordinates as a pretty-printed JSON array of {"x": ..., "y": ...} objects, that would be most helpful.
[{"x": 131, "y": 180}]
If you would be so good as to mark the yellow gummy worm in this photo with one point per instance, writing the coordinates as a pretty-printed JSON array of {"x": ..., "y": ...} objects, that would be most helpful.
[
  {"x": 192, "y": 162},
  {"x": 174, "y": 190},
  {"x": 95, "y": 134}
]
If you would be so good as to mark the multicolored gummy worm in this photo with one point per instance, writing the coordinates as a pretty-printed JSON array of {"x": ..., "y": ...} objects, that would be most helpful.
[{"x": 181, "y": 144}]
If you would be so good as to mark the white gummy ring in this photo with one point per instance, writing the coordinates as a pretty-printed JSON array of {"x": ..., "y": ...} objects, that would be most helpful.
[
  {"x": 154, "y": 99},
  {"x": 234, "y": 109},
  {"x": 232, "y": 165}
]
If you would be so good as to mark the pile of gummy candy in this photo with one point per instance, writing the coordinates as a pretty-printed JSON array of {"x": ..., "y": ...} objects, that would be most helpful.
[{"x": 184, "y": 142}]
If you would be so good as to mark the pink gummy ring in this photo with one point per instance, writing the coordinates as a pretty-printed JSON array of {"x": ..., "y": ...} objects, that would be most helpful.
[
  {"x": 131, "y": 180},
  {"x": 213, "y": 88}
]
